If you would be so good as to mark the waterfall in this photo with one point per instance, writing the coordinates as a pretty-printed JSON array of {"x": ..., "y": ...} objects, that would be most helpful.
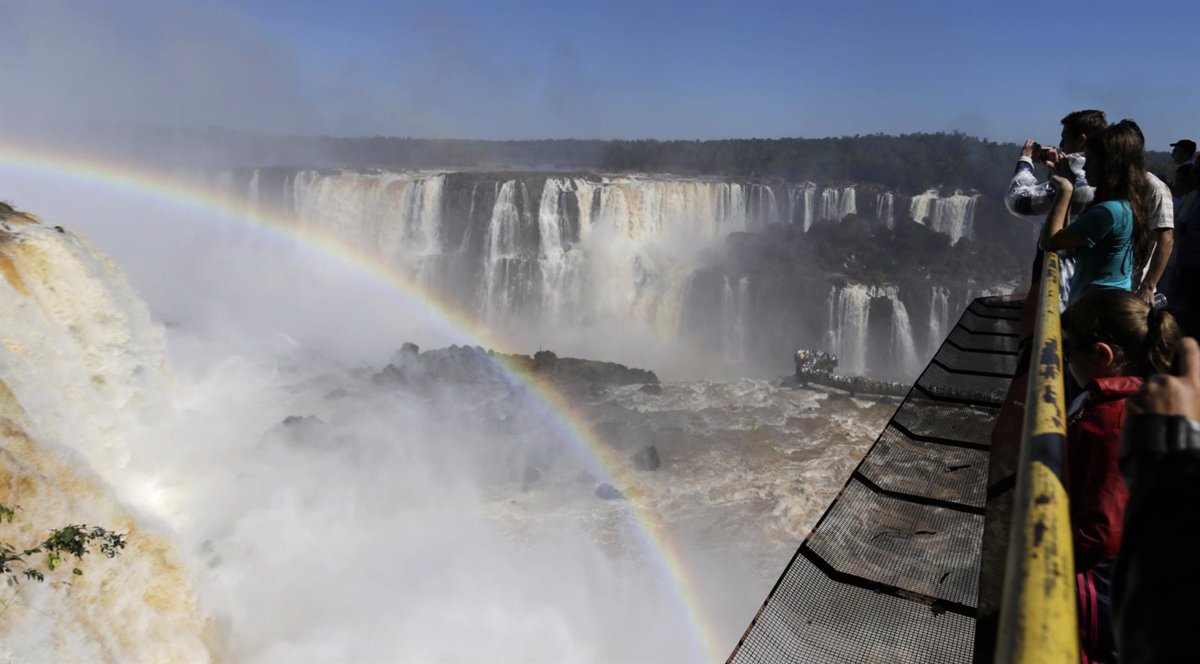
[
  {"x": 849, "y": 332},
  {"x": 903, "y": 348},
  {"x": 555, "y": 252},
  {"x": 831, "y": 205},
  {"x": 801, "y": 202},
  {"x": 764, "y": 209},
  {"x": 568, "y": 252},
  {"x": 508, "y": 267},
  {"x": 288, "y": 193},
  {"x": 734, "y": 315},
  {"x": 918, "y": 208},
  {"x": 300, "y": 184},
  {"x": 955, "y": 216},
  {"x": 849, "y": 310},
  {"x": 952, "y": 215},
  {"x": 623, "y": 253},
  {"x": 838, "y": 204},
  {"x": 848, "y": 205},
  {"x": 81, "y": 361},
  {"x": 885, "y": 209},
  {"x": 643, "y": 208},
  {"x": 253, "y": 195},
  {"x": 939, "y": 317},
  {"x": 396, "y": 217},
  {"x": 634, "y": 234}
]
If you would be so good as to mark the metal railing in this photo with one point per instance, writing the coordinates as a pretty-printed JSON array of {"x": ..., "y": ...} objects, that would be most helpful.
[{"x": 1038, "y": 620}]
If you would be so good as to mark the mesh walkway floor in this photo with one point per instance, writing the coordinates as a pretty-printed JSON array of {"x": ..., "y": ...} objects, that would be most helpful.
[{"x": 890, "y": 572}]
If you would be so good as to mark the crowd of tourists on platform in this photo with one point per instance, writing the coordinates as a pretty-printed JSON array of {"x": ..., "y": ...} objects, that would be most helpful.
[{"x": 1130, "y": 253}]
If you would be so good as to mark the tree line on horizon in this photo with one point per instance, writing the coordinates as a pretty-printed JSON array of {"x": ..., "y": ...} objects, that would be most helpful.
[
  {"x": 906, "y": 163},
  {"x": 910, "y": 163}
]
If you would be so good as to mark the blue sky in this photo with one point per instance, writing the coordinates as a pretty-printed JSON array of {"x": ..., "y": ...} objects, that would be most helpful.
[{"x": 610, "y": 69}]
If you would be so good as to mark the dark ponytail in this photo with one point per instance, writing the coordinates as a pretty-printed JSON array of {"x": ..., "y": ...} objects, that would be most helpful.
[
  {"x": 1162, "y": 338},
  {"x": 1146, "y": 337}
]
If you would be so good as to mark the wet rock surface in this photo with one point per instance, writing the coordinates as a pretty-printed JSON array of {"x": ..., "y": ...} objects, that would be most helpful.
[
  {"x": 608, "y": 492},
  {"x": 647, "y": 459},
  {"x": 473, "y": 364}
]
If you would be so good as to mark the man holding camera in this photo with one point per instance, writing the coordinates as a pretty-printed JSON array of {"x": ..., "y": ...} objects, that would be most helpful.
[{"x": 1029, "y": 198}]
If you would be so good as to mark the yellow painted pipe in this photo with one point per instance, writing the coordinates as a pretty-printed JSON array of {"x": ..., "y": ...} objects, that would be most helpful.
[{"x": 1038, "y": 621}]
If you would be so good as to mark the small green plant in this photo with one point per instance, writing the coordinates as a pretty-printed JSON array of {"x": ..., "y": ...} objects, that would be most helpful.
[{"x": 73, "y": 540}]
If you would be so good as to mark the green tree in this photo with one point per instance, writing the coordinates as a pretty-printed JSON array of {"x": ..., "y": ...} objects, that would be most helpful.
[{"x": 75, "y": 540}]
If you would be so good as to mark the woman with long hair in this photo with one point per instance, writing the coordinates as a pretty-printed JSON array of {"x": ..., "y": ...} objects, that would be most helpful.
[{"x": 1111, "y": 239}]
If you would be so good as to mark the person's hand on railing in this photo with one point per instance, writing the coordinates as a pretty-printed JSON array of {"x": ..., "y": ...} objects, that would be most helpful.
[{"x": 1173, "y": 395}]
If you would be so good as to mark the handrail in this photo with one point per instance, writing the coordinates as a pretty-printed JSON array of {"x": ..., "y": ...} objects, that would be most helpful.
[{"x": 1038, "y": 621}]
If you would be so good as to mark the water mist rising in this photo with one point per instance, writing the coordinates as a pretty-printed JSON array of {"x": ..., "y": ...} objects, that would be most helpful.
[{"x": 296, "y": 506}]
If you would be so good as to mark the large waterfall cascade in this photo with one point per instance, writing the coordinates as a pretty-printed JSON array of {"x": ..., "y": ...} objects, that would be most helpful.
[
  {"x": 952, "y": 215},
  {"x": 80, "y": 365},
  {"x": 568, "y": 251},
  {"x": 735, "y": 316},
  {"x": 885, "y": 212},
  {"x": 849, "y": 317},
  {"x": 939, "y": 317}
]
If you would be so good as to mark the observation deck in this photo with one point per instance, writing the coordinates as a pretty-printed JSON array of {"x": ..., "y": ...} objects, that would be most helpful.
[{"x": 956, "y": 510}]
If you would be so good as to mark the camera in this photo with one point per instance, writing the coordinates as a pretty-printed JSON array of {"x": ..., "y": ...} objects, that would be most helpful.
[{"x": 1043, "y": 153}]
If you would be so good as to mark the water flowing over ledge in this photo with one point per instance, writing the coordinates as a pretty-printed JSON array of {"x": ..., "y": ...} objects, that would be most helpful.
[{"x": 531, "y": 252}]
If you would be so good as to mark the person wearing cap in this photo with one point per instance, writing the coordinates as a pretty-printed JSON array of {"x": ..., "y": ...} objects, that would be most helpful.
[
  {"x": 1183, "y": 153},
  {"x": 1183, "y": 298}
]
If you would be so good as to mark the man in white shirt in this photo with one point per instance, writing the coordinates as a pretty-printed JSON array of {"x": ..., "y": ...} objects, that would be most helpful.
[
  {"x": 1162, "y": 223},
  {"x": 1028, "y": 198}
]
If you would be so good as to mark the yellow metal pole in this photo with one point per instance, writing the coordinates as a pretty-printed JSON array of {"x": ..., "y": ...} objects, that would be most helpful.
[{"x": 1038, "y": 621}]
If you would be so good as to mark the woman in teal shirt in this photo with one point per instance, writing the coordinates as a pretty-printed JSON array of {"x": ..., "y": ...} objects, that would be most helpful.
[{"x": 1111, "y": 239}]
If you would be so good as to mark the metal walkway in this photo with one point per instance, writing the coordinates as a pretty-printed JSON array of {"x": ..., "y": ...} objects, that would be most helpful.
[{"x": 890, "y": 573}]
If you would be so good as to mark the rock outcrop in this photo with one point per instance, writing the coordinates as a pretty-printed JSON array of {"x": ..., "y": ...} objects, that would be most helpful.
[{"x": 472, "y": 364}]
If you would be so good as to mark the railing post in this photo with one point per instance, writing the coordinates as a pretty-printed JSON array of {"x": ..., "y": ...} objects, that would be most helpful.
[{"x": 1038, "y": 620}]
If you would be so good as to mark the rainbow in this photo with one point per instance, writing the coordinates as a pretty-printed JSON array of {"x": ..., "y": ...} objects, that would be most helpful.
[{"x": 651, "y": 530}]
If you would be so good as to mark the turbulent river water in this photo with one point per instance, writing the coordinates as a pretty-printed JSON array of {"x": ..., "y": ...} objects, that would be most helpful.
[{"x": 383, "y": 522}]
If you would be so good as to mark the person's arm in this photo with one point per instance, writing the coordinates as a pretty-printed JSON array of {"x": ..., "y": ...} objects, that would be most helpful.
[
  {"x": 1154, "y": 592},
  {"x": 1158, "y": 264},
  {"x": 1026, "y": 197},
  {"x": 1162, "y": 221},
  {"x": 1055, "y": 235}
]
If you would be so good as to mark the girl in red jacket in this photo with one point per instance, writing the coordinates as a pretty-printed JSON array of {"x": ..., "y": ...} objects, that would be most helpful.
[{"x": 1111, "y": 340}]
